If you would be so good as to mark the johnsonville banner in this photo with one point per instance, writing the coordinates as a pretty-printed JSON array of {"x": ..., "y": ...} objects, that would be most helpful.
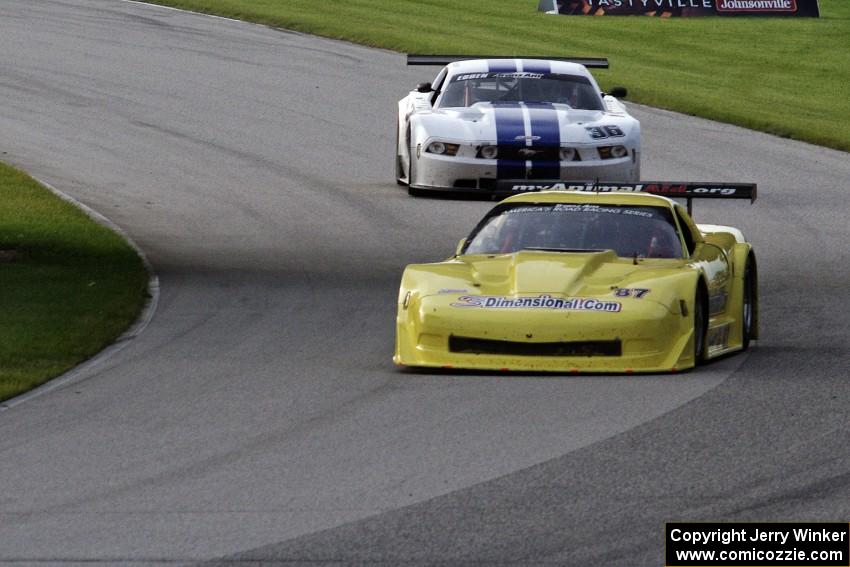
[{"x": 667, "y": 8}]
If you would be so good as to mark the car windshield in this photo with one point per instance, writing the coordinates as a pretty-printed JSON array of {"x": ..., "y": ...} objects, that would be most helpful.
[
  {"x": 647, "y": 232},
  {"x": 466, "y": 89}
]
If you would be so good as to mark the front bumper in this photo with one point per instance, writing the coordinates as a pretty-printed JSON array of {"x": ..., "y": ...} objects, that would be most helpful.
[
  {"x": 648, "y": 337},
  {"x": 477, "y": 175}
]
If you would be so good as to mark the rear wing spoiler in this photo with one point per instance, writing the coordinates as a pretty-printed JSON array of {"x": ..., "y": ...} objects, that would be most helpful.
[
  {"x": 674, "y": 189},
  {"x": 590, "y": 62}
]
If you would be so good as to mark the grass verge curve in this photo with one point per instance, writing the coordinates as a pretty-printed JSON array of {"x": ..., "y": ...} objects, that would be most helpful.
[{"x": 68, "y": 285}]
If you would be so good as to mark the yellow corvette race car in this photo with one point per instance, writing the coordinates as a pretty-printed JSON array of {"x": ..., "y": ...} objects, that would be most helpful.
[{"x": 585, "y": 278}]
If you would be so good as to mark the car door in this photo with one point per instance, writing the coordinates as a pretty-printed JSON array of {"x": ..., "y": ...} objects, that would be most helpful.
[{"x": 714, "y": 262}]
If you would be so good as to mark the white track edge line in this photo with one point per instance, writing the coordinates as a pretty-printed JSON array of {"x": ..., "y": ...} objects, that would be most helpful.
[
  {"x": 173, "y": 9},
  {"x": 132, "y": 332}
]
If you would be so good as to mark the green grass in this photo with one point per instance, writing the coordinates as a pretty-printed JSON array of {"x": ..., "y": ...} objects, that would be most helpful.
[
  {"x": 786, "y": 76},
  {"x": 68, "y": 286}
]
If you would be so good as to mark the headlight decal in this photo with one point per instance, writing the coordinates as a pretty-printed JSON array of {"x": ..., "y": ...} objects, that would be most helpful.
[
  {"x": 488, "y": 152},
  {"x": 442, "y": 148},
  {"x": 612, "y": 152}
]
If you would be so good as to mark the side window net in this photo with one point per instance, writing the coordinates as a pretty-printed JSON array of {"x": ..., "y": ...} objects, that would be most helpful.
[{"x": 686, "y": 232}]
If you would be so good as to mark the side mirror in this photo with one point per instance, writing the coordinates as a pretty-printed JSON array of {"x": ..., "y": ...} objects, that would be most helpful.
[
  {"x": 619, "y": 92},
  {"x": 424, "y": 88},
  {"x": 460, "y": 246}
]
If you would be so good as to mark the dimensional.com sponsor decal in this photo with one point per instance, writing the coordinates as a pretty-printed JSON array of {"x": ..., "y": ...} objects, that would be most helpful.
[{"x": 539, "y": 302}]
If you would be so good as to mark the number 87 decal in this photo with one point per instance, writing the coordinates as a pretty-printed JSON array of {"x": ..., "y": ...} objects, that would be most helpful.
[
  {"x": 599, "y": 132},
  {"x": 636, "y": 292}
]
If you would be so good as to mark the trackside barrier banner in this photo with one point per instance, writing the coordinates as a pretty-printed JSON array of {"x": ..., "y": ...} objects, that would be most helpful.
[
  {"x": 668, "y": 8},
  {"x": 762, "y": 544}
]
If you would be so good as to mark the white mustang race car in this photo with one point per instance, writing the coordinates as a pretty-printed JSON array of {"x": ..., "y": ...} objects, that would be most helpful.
[{"x": 497, "y": 119}]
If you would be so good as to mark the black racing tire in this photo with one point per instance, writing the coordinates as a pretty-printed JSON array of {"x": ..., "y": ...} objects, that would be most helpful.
[
  {"x": 749, "y": 303},
  {"x": 700, "y": 326},
  {"x": 398, "y": 172},
  {"x": 414, "y": 192}
]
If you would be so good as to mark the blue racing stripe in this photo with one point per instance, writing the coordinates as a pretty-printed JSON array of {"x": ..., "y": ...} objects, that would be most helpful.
[
  {"x": 537, "y": 66},
  {"x": 544, "y": 124},
  {"x": 501, "y": 66},
  {"x": 509, "y": 127}
]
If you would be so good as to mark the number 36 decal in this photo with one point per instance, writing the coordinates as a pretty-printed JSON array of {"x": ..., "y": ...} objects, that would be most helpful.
[{"x": 599, "y": 132}]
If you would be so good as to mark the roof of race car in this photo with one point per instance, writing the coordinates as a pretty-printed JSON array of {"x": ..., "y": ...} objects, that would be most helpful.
[
  {"x": 584, "y": 197},
  {"x": 517, "y": 66}
]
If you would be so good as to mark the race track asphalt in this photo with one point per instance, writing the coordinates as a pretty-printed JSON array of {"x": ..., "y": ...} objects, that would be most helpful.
[{"x": 259, "y": 418}]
